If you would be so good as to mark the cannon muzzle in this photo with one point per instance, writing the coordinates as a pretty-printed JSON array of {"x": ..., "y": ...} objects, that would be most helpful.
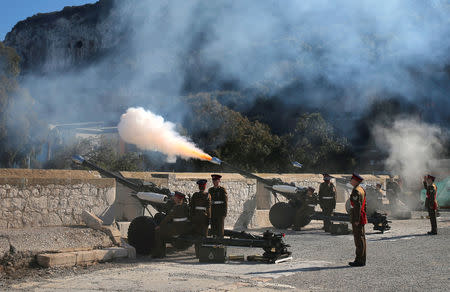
[
  {"x": 78, "y": 159},
  {"x": 297, "y": 164},
  {"x": 216, "y": 160}
]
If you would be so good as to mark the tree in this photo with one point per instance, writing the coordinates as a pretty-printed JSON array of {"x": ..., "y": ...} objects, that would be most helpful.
[
  {"x": 231, "y": 136},
  {"x": 314, "y": 144},
  {"x": 21, "y": 131}
]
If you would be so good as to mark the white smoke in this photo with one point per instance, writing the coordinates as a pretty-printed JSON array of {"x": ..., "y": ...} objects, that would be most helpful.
[
  {"x": 411, "y": 145},
  {"x": 149, "y": 131}
]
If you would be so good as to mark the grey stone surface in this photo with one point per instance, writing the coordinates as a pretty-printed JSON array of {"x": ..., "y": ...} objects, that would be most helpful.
[
  {"x": 34, "y": 204},
  {"x": 4, "y": 245}
]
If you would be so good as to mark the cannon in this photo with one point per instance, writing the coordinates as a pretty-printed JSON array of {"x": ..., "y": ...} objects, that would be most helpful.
[
  {"x": 142, "y": 228},
  {"x": 298, "y": 211}
]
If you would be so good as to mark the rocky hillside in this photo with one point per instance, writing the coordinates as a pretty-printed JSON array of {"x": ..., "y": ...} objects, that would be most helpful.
[{"x": 48, "y": 42}]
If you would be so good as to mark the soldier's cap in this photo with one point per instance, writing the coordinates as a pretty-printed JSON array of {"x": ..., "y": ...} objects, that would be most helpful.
[
  {"x": 180, "y": 195},
  {"x": 311, "y": 189},
  {"x": 326, "y": 176},
  {"x": 216, "y": 176},
  {"x": 431, "y": 177},
  {"x": 202, "y": 182},
  {"x": 357, "y": 177}
]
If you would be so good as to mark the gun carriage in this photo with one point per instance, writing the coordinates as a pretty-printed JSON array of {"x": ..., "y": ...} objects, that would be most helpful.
[
  {"x": 298, "y": 211},
  {"x": 142, "y": 228}
]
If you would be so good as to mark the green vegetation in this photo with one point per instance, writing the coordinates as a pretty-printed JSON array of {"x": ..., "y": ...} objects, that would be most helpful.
[
  {"x": 21, "y": 132},
  {"x": 251, "y": 145}
]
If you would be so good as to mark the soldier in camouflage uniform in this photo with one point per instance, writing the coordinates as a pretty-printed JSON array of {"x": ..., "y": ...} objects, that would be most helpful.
[
  {"x": 219, "y": 206},
  {"x": 327, "y": 199},
  {"x": 431, "y": 201},
  {"x": 392, "y": 193},
  {"x": 358, "y": 219},
  {"x": 176, "y": 222},
  {"x": 200, "y": 206}
]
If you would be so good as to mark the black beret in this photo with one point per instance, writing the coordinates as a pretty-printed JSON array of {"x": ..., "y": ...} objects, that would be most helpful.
[
  {"x": 180, "y": 195},
  {"x": 202, "y": 182},
  {"x": 216, "y": 176},
  {"x": 357, "y": 177}
]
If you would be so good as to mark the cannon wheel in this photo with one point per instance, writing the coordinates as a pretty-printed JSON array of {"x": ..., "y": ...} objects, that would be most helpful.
[
  {"x": 141, "y": 234},
  {"x": 302, "y": 218},
  {"x": 281, "y": 215}
]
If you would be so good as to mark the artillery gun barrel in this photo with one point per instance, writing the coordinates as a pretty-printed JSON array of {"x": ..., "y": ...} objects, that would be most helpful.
[
  {"x": 78, "y": 159},
  {"x": 217, "y": 161},
  {"x": 247, "y": 174}
]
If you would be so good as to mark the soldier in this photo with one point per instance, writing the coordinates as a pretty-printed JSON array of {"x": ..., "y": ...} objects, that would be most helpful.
[
  {"x": 306, "y": 209},
  {"x": 358, "y": 219},
  {"x": 200, "y": 211},
  {"x": 327, "y": 199},
  {"x": 392, "y": 191},
  {"x": 219, "y": 206},
  {"x": 431, "y": 201},
  {"x": 379, "y": 197},
  {"x": 175, "y": 223}
]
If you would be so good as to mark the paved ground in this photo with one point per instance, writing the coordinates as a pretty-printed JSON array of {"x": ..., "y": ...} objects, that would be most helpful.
[{"x": 402, "y": 259}]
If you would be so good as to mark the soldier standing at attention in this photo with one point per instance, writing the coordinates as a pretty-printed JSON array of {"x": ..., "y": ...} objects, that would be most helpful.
[
  {"x": 327, "y": 199},
  {"x": 200, "y": 211},
  {"x": 358, "y": 219},
  {"x": 219, "y": 206},
  {"x": 431, "y": 201},
  {"x": 175, "y": 223}
]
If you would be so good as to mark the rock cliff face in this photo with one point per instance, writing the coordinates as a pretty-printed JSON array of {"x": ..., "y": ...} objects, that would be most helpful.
[{"x": 49, "y": 42}]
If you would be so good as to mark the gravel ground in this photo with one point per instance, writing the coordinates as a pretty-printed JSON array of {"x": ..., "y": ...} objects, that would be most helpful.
[{"x": 401, "y": 259}]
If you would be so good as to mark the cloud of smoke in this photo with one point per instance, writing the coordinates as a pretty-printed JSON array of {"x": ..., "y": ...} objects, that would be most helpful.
[
  {"x": 149, "y": 131},
  {"x": 171, "y": 47},
  {"x": 327, "y": 54},
  {"x": 411, "y": 145}
]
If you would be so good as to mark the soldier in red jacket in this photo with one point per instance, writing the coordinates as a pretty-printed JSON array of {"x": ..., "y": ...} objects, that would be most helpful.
[
  {"x": 358, "y": 219},
  {"x": 431, "y": 201}
]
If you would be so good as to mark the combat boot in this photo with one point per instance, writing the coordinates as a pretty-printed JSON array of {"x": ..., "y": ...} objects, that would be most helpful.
[{"x": 356, "y": 264}]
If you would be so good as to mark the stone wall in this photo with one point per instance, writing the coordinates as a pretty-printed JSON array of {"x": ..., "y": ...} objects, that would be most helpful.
[
  {"x": 29, "y": 202},
  {"x": 58, "y": 197}
]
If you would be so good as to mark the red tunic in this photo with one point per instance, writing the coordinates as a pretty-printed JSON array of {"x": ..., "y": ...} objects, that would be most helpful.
[
  {"x": 432, "y": 197},
  {"x": 358, "y": 195}
]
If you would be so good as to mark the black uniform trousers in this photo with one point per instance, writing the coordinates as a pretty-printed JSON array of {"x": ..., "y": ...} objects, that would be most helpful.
[
  {"x": 218, "y": 226},
  {"x": 432, "y": 215},
  {"x": 359, "y": 237},
  {"x": 327, "y": 207},
  {"x": 200, "y": 229}
]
